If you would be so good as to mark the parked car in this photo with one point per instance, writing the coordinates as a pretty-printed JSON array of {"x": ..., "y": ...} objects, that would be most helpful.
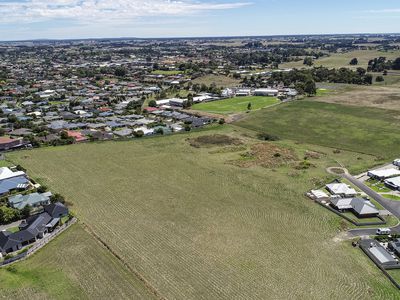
[{"x": 383, "y": 231}]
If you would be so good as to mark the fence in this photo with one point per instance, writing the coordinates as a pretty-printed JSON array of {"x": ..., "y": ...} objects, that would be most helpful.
[{"x": 39, "y": 244}]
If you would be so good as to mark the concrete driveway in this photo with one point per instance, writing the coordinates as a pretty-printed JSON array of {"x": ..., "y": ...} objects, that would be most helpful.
[{"x": 390, "y": 205}]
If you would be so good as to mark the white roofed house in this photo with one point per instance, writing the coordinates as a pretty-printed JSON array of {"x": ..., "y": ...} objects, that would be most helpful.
[
  {"x": 341, "y": 189},
  {"x": 396, "y": 162},
  {"x": 384, "y": 173},
  {"x": 266, "y": 92},
  {"x": 393, "y": 183}
]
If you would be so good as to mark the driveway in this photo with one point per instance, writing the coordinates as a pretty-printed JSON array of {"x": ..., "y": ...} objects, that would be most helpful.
[
  {"x": 4, "y": 227},
  {"x": 392, "y": 206}
]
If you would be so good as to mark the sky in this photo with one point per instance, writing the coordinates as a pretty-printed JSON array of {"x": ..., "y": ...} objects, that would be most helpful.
[{"x": 65, "y": 19}]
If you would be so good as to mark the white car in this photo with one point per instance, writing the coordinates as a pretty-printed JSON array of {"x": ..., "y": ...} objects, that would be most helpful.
[{"x": 383, "y": 231}]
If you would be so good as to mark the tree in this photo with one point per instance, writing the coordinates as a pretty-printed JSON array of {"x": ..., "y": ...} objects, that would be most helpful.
[
  {"x": 152, "y": 103},
  {"x": 57, "y": 198},
  {"x": 8, "y": 214},
  {"x": 310, "y": 88},
  {"x": 354, "y": 62},
  {"x": 249, "y": 106},
  {"x": 26, "y": 211},
  {"x": 379, "y": 79},
  {"x": 396, "y": 64},
  {"x": 120, "y": 72},
  {"x": 138, "y": 133},
  {"x": 221, "y": 121},
  {"x": 160, "y": 131},
  {"x": 308, "y": 61}
]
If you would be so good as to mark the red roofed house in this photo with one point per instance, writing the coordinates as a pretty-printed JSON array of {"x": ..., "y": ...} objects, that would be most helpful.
[
  {"x": 7, "y": 143},
  {"x": 78, "y": 137}
]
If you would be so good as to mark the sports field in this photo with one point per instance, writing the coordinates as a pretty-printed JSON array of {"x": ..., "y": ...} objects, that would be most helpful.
[
  {"x": 367, "y": 130},
  {"x": 235, "y": 105},
  {"x": 73, "y": 266},
  {"x": 196, "y": 226}
]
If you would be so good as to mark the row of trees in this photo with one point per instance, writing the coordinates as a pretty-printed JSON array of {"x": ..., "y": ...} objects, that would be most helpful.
[
  {"x": 381, "y": 64},
  {"x": 322, "y": 74}
]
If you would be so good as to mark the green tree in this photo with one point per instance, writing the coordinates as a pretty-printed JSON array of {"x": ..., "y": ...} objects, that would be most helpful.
[
  {"x": 396, "y": 64},
  {"x": 354, "y": 62},
  {"x": 310, "y": 88},
  {"x": 249, "y": 106},
  {"x": 152, "y": 103},
  {"x": 138, "y": 133},
  {"x": 26, "y": 211},
  {"x": 120, "y": 72},
  {"x": 308, "y": 61}
]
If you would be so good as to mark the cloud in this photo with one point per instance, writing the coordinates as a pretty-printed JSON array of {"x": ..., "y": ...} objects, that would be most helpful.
[
  {"x": 384, "y": 11},
  {"x": 100, "y": 10}
]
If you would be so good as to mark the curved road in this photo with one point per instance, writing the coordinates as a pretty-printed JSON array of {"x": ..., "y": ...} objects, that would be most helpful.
[{"x": 392, "y": 206}]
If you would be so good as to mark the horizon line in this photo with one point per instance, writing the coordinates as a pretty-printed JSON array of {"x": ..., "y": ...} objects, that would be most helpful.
[{"x": 196, "y": 37}]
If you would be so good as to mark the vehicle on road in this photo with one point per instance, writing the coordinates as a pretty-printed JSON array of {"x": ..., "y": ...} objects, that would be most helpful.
[{"x": 383, "y": 231}]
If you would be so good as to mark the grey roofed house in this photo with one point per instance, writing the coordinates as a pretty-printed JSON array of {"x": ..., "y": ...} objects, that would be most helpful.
[
  {"x": 57, "y": 125},
  {"x": 32, "y": 228},
  {"x": 123, "y": 132},
  {"x": 382, "y": 255},
  {"x": 359, "y": 206},
  {"x": 15, "y": 183},
  {"x": 21, "y": 132},
  {"x": 56, "y": 210},
  {"x": 66, "y": 115},
  {"x": 34, "y": 199},
  {"x": 395, "y": 246}
]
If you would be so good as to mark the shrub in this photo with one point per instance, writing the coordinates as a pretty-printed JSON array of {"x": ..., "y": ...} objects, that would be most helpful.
[{"x": 267, "y": 137}]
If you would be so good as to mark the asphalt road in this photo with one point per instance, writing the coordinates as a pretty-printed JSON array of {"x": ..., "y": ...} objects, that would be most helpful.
[{"x": 392, "y": 206}]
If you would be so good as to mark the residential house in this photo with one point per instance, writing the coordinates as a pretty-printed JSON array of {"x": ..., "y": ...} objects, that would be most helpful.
[
  {"x": 10, "y": 180},
  {"x": 341, "y": 189},
  {"x": 34, "y": 200},
  {"x": 360, "y": 207}
]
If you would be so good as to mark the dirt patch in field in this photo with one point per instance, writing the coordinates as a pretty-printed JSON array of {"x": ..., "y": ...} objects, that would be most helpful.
[
  {"x": 266, "y": 155},
  {"x": 214, "y": 140},
  {"x": 313, "y": 154}
]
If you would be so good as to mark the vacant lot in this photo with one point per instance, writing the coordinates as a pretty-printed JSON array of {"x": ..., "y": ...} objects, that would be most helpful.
[
  {"x": 218, "y": 80},
  {"x": 366, "y": 130},
  {"x": 235, "y": 105},
  {"x": 387, "y": 97},
  {"x": 338, "y": 60},
  {"x": 73, "y": 266},
  {"x": 197, "y": 227}
]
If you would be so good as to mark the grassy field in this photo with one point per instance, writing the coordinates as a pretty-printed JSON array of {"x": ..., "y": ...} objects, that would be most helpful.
[
  {"x": 167, "y": 72},
  {"x": 73, "y": 266},
  {"x": 338, "y": 60},
  {"x": 367, "y": 130},
  {"x": 198, "y": 227},
  {"x": 218, "y": 80},
  {"x": 235, "y": 105},
  {"x": 387, "y": 97}
]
